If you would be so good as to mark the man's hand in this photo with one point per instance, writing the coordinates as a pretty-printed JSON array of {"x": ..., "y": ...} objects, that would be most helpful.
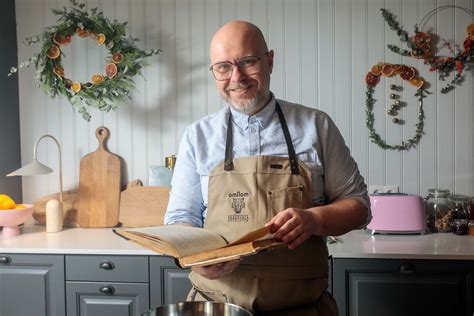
[
  {"x": 293, "y": 226},
  {"x": 215, "y": 271}
]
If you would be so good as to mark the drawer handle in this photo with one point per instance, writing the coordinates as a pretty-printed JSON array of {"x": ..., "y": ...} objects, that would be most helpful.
[
  {"x": 406, "y": 268},
  {"x": 5, "y": 259},
  {"x": 107, "y": 265},
  {"x": 107, "y": 289}
]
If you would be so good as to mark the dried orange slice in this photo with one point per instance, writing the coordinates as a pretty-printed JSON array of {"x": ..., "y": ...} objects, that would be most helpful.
[
  {"x": 61, "y": 39},
  {"x": 470, "y": 29},
  {"x": 58, "y": 70},
  {"x": 82, "y": 33},
  {"x": 376, "y": 70},
  {"x": 117, "y": 57},
  {"x": 76, "y": 86},
  {"x": 371, "y": 80},
  {"x": 97, "y": 78},
  {"x": 421, "y": 38},
  {"x": 54, "y": 52},
  {"x": 408, "y": 73},
  {"x": 397, "y": 69},
  {"x": 111, "y": 70},
  {"x": 387, "y": 70},
  {"x": 100, "y": 39},
  {"x": 417, "y": 82}
]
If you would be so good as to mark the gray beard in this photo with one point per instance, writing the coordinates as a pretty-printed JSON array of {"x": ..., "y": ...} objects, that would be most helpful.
[{"x": 250, "y": 108}]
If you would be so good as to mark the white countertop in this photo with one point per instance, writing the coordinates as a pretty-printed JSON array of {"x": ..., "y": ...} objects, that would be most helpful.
[
  {"x": 446, "y": 246},
  {"x": 356, "y": 244},
  {"x": 100, "y": 241}
]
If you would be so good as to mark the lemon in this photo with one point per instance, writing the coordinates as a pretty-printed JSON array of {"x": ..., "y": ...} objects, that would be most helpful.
[{"x": 6, "y": 202}]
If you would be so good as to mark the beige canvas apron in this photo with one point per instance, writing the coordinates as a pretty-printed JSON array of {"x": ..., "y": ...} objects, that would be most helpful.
[{"x": 244, "y": 194}]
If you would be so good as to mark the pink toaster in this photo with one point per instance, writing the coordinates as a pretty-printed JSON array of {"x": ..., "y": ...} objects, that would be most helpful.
[{"x": 397, "y": 214}]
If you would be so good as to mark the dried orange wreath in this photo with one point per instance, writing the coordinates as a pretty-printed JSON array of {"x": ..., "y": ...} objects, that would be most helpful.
[{"x": 105, "y": 90}]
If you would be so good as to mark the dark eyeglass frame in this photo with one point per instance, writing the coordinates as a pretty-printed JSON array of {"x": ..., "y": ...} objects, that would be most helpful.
[{"x": 236, "y": 64}]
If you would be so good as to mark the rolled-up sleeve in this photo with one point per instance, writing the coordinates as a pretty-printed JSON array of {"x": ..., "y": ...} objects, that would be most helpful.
[
  {"x": 186, "y": 203},
  {"x": 342, "y": 176}
]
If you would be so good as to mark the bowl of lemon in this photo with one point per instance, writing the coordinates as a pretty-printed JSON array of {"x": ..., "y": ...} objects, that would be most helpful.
[{"x": 12, "y": 215}]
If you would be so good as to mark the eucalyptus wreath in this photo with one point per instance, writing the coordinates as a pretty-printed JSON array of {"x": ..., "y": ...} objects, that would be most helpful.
[
  {"x": 372, "y": 79},
  {"x": 105, "y": 90}
]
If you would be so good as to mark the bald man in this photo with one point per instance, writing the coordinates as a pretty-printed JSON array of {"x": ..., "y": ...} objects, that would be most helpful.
[{"x": 292, "y": 170}]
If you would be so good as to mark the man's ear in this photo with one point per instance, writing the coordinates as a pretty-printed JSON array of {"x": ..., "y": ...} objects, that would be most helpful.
[{"x": 270, "y": 56}]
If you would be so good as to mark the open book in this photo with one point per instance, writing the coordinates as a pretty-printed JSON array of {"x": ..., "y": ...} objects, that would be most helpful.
[{"x": 197, "y": 246}]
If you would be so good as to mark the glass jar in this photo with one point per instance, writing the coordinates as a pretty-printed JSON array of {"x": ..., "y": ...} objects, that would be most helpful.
[
  {"x": 439, "y": 215},
  {"x": 461, "y": 206},
  {"x": 460, "y": 226},
  {"x": 471, "y": 228}
]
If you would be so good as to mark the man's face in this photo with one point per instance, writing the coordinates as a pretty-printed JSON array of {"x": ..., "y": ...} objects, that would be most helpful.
[{"x": 245, "y": 93}]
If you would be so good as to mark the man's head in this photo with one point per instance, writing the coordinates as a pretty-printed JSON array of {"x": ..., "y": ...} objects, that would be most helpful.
[{"x": 246, "y": 91}]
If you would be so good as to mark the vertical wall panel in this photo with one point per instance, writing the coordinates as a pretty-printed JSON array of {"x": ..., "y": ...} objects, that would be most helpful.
[
  {"x": 323, "y": 50},
  {"x": 427, "y": 146},
  {"x": 376, "y": 49},
  {"x": 360, "y": 60}
]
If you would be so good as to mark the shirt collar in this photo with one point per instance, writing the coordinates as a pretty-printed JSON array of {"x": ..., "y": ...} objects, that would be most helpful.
[{"x": 263, "y": 117}]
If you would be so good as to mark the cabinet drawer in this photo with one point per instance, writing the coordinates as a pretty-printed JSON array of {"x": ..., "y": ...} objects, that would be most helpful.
[
  {"x": 107, "y": 268},
  {"x": 106, "y": 298}
]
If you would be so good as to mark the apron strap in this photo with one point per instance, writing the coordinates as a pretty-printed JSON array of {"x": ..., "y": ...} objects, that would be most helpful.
[
  {"x": 229, "y": 165},
  {"x": 289, "y": 143}
]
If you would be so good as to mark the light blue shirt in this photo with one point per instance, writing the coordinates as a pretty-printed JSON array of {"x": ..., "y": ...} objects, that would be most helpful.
[{"x": 317, "y": 142}]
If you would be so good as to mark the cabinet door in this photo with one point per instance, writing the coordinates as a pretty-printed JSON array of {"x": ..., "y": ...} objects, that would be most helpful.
[
  {"x": 114, "y": 299},
  {"x": 402, "y": 287},
  {"x": 168, "y": 283},
  {"x": 32, "y": 285}
]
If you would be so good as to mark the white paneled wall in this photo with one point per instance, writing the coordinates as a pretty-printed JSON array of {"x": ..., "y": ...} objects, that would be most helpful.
[{"x": 323, "y": 49}]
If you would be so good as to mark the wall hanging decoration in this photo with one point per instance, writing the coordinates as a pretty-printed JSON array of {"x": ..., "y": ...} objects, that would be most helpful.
[
  {"x": 408, "y": 74},
  {"x": 104, "y": 90},
  {"x": 421, "y": 47}
]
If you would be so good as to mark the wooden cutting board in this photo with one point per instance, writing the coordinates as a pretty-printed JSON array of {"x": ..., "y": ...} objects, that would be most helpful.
[
  {"x": 99, "y": 186},
  {"x": 69, "y": 208},
  {"x": 143, "y": 206}
]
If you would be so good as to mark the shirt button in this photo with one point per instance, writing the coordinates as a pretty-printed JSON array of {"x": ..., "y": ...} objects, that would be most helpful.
[{"x": 253, "y": 130}]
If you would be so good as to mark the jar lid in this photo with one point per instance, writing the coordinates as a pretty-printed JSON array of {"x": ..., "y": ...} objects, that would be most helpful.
[
  {"x": 460, "y": 198},
  {"x": 437, "y": 191}
]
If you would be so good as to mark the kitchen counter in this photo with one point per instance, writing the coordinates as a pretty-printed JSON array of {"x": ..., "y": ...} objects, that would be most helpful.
[{"x": 356, "y": 244}]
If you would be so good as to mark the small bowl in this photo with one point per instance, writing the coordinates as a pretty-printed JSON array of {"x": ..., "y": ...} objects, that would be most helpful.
[{"x": 10, "y": 219}]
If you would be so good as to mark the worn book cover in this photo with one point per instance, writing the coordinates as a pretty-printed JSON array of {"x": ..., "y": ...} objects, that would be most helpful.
[{"x": 197, "y": 246}]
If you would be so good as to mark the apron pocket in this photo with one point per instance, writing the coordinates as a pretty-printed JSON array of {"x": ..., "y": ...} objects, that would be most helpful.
[{"x": 281, "y": 199}]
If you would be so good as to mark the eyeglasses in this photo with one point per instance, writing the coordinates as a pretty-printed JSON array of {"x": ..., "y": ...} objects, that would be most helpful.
[{"x": 248, "y": 65}]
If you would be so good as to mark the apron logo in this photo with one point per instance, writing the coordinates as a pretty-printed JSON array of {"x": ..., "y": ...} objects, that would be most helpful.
[{"x": 238, "y": 204}]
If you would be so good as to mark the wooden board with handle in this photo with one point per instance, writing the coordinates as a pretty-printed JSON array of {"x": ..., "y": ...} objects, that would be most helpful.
[
  {"x": 142, "y": 206},
  {"x": 99, "y": 186}
]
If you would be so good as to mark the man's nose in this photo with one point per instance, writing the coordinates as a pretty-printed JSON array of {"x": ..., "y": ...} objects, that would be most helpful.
[{"x": 237, "y": 75}]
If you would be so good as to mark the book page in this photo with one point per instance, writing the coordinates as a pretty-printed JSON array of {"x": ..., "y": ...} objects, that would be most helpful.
[
  {"x": 186, "y": 240},
  {"x": 253, "y": 235},
  {"x": 230, "y": 252}
]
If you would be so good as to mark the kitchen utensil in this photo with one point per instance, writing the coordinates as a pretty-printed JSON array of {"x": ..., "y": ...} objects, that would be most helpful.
[
  {"x": 99, "y": 186},
  {"x": 198, "y": 309},
  {"x": 143, "y": 206},
  {"x": 397, "y": 214},
  {"x": 10, "y": 219}
]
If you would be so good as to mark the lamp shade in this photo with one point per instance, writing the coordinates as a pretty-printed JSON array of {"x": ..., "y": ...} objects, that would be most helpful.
[{"x": 34, "y": 168}]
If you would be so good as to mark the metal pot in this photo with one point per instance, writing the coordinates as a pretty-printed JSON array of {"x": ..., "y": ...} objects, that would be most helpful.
[{"x": 199, "y": 309}]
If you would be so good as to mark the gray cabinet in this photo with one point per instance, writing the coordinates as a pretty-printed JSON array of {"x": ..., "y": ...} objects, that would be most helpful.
[
  {"x": 107, "y": 285},
  {"x": 402, "y": 287},
  {"x": 168, "y": 283},
  {"x": 32, "y": 285}
]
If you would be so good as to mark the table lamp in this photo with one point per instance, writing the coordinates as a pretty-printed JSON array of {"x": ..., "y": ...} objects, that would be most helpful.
[{"x": 54, "y": 209}]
